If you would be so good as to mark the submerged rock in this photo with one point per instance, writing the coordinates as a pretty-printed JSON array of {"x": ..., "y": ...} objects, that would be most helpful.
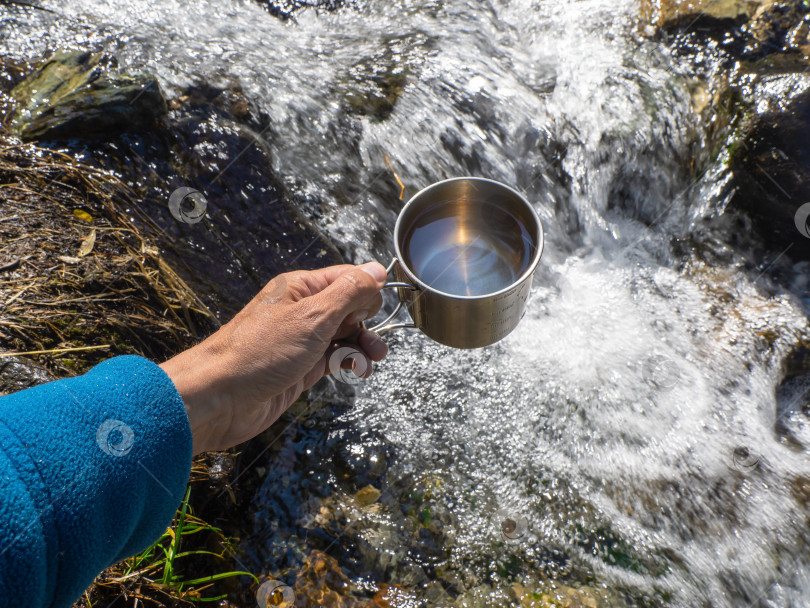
[
  {"x": 321, "y": 582},
  {"x": 80, "y": 94},
  {"x": 367, "y": 496},
  {"x": 553, "y": 594},
  {"x": 801, "y": 490},
  {"x": 373, "y": 85},
  {"x": 285, "y": 8}
]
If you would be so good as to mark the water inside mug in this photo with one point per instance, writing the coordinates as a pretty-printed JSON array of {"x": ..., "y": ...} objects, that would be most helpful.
[{"x": 468, "y": 248}]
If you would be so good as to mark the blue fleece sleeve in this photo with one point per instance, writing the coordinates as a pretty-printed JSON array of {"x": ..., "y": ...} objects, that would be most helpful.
[{"x": 92, "y": 470}]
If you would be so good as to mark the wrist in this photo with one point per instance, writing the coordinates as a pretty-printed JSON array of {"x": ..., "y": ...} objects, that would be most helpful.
[{"x": 199, "y": 382}]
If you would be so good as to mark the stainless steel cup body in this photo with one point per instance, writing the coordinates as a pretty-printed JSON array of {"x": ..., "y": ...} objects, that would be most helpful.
[
  {"x": 467, "y": 321},
  {"x": 464, "y": 322}
]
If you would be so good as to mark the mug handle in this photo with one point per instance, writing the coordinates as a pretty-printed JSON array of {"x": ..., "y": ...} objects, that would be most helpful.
[{"x": 386, "y": 324}]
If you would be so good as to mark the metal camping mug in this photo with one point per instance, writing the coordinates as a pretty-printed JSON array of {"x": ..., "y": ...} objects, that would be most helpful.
[{"x": 466, "y": 252}]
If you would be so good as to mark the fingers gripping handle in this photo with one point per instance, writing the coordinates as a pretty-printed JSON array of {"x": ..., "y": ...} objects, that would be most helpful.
[{"x": 387, "y": 325}]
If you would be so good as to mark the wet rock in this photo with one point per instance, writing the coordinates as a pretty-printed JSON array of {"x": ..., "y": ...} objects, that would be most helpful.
[
  {"x": 798, "y": 38},
  {"x": 80, "y": 94},
  {"x": 793, "y": 399},
  {"x": 19, "y": 373},
  {"x": 769, "y": 22},
  {"x": 660, "y": 12},
  {"x": 797, "y": 362},
  {"x": 781, "y": 24},
  {"x": 215, "y": 141},
  {"x": 13, "y": 71},
  {"x": 771, "y": 167},
  {"x": 745, "y": 30},
  {"x": 694, "y": 14},
  {"x": 755, "y": 108}
]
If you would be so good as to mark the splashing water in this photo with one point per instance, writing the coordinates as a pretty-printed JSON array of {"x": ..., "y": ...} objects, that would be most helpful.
[{"x": 628, "y": 423}]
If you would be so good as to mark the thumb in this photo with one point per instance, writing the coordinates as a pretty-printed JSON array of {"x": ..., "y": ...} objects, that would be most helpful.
[{"x": 350, "y": 292}]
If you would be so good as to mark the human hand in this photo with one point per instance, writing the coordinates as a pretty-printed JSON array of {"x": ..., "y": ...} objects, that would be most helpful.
[{"x": 239, "y": 380}]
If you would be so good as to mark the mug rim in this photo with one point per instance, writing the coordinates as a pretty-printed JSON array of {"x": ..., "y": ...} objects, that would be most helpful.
[{"x": 425, "y": 287}]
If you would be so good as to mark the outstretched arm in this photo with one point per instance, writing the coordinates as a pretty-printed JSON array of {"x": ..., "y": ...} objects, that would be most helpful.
[
  {"x": 94, "y": 467},
  {"x": 241, "y": 379}
]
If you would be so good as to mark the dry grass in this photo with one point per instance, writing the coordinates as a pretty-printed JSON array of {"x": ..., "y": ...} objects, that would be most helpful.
[
  {"x": 83, "y": 290},
  {"x": 80, "y": 282}
]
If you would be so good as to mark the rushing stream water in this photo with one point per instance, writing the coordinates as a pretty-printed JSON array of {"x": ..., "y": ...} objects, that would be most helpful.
[{"x": 627, "y": 431}]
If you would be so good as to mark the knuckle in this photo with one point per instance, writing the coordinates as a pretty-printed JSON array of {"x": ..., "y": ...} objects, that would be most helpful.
[
  {"x": 311, "y": 312},
  {"x": 277, "y": 285},
  {"x": 296, "y": 275},
  {"x": 349, "y": 282}
]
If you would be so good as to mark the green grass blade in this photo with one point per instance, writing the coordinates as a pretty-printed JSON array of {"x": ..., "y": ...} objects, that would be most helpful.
[{"x": 219, "y": 577}]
